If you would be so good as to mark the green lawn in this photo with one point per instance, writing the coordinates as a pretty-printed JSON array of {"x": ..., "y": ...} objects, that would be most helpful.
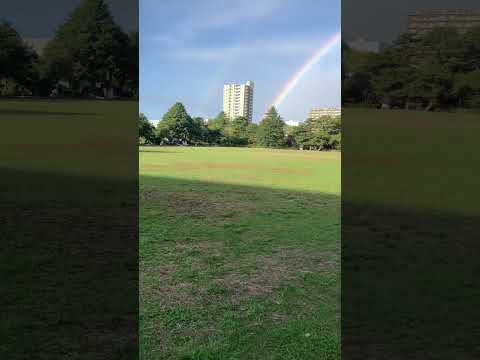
[
  {"x": 410, "y": 215},
  {"x": 73, "y": 137},
  {"x": 411, "y": 159},
  {"x": 68, "y": 209},
  {"x": 239, "y": 254}
]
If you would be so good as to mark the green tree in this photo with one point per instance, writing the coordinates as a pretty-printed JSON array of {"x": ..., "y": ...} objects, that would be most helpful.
[
  {"x": 251, "y": 131},
  {"x": 433, "y": 83},
  {"x": 18, "y": 63},
  {"x": 130, "y": 64},
  {"x": 214, "y": 136},
  {"x": 146, "y": 130},
  {"x": 89, "y": 50},
  {"x": 467, "y": 89},
  {"x": 177, "y": 127},
  {"x": 319, "y": 134},
  {"x": 415, "y": 71},
  {"x": 219, "y": 122},
  {"x": 200, "y": 132},
  {"x": 218, "y": 129},
  {"x": 471, "y": 49},
  {"x": 356, "y": 75},
  {"x": 290, "y": 139},
  {"x": 237, "y": 131},
  {"x": 270, "y": 130},
  {"x": 392, "y": 73},
  {"x": 428, "y": 71}
]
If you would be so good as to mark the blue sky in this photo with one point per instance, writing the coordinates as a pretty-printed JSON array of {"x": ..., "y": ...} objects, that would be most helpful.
[{"x": 190, "y": 48}]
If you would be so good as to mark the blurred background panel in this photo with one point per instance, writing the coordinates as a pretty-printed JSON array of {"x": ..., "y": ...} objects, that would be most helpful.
[
  {"x": 69, "y": 169},
  {"x": 410, "y": 108}
]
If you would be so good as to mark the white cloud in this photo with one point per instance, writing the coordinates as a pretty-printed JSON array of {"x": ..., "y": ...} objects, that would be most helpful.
[
  {"x": 223, "y": 13},
  {"x": 215, "y": 15},
  {"x": 266, "y": 47}
]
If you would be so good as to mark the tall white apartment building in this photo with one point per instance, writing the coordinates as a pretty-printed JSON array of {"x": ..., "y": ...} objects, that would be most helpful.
[
  {"x": 319, "y": 112},
  {"x": 238, "y": 100}
]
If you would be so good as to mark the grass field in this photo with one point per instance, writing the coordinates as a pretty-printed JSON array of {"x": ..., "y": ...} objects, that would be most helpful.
[
  {"x": 72, "y": 137},
  {"x": 68, "y": 214},
  {"x": 239, "y": 254},
  {"x": 410, "y": 225},
  {"x": 411, "y": 159}
]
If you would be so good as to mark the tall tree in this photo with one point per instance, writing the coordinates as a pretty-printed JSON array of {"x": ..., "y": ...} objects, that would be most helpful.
[
  {"x": 176, "y": 126},
  {"x": 18, "y": 71},
  {"x": 146, "y": 130},
  {"x": 131, "y": 78},
  {"x": 270, "y": 130},
  {"x": 89, "y": 48}
]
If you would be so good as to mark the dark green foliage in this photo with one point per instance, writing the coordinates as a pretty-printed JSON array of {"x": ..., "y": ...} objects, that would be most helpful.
[
  {"x": 18, "y": 63},
  {"x": 251, "y": 131},
  {"x": 214, "y": 136},
  {"x": 466, "y": 88},
  {"x": 131, "y": 66},
  {"x": 146, "y": 131},
  {"x": 225, "y": 132},
  {"x": 236, "y": 131},
  {"x": 219, "y": 122},
  {"x": 429, "y": 72},
  {"x": 91, "y": 52},
  {"x": 202, "y": 135},
  {"x": 270, "y": 130},
  {"x": 319, "y": 134},
  {"x": 177, "y": 127},
  {"x": 216, "y": 130},
  {"x": 89, "y": 55}
]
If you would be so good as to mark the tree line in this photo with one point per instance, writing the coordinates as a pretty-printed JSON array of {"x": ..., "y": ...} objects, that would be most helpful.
[
  {"x": 89, "y": 56},
  {"x": 177, "y": 127},
  {"x": 437, "y": 70}
]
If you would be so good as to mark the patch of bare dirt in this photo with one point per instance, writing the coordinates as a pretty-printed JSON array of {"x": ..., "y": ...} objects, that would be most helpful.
[
  {"x": 156, "y": 282},
  {"x": 213, "y": 248},
  {"x": 253, "y": 276},
  {"x": 197, "y": 205},
  {"x": 206, "y": 206},
  {"x": 271, "y": 272}
]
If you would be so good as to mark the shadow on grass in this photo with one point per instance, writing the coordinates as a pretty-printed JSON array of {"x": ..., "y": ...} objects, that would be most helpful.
[
  {"x": 409, "y": 283},
  {"x": 69, "y": 266},
  {"x": 231, "y": 269},
  {"x": 410, "y": 229},
  {"x": 39, "y": 113}
]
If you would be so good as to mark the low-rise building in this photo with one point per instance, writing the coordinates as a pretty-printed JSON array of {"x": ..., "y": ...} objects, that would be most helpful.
[
  {"x": 423, "y": 21},
  {"x": 319, "y": 112}
]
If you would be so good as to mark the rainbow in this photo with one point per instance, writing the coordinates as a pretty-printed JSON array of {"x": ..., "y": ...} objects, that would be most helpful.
[{"x": 293, "y": 81}]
